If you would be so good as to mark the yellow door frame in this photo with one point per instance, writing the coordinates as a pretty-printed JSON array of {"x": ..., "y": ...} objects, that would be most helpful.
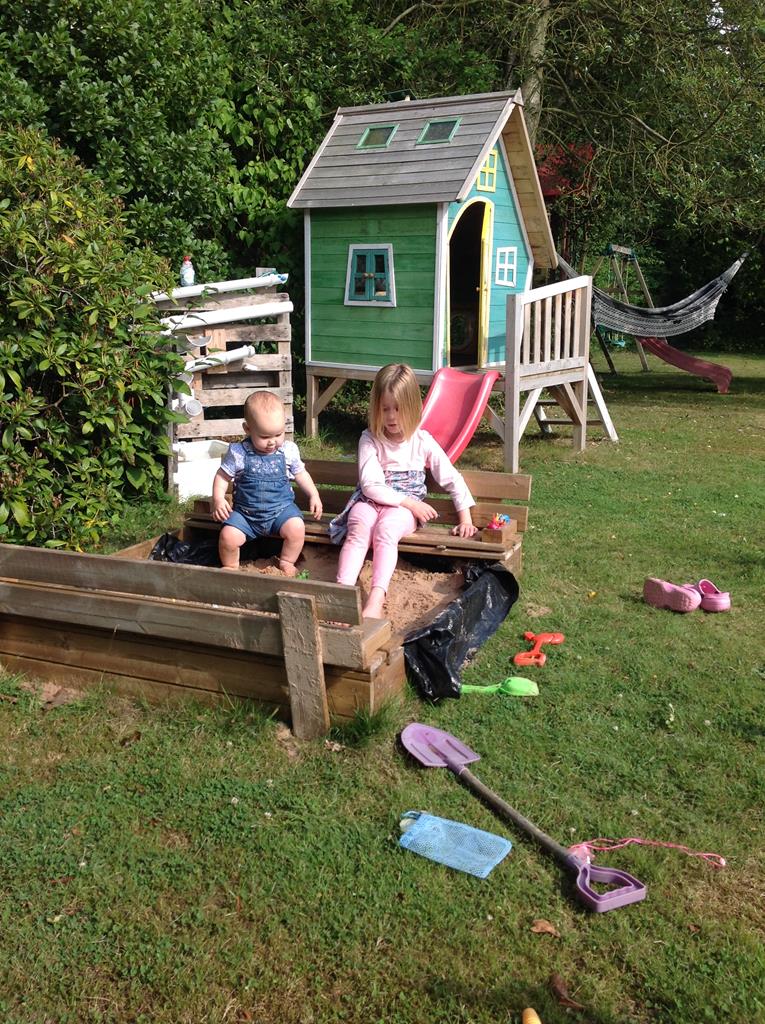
[{"x": 484, "y": 278}]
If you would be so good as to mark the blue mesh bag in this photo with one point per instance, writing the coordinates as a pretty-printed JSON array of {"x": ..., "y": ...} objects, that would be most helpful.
[{"x": 451, "y": 843}]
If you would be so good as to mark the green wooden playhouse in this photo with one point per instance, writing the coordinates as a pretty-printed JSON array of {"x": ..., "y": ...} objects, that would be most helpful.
[{"x": 421, "y": 217}]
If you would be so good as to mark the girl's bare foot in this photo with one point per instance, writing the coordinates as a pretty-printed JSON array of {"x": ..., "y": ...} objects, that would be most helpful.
[
  {"x": 373, "y": 609},
  {"x": 287, "y": 567}
]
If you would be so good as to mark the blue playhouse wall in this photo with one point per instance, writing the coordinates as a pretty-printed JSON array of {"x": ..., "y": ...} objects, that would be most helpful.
[{"x": 507, "y": 232}]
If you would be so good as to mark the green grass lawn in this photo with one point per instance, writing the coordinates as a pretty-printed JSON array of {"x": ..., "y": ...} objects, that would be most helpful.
[{"x": 185, "y": 865}]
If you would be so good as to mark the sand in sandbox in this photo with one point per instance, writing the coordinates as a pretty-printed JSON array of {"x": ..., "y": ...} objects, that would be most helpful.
[{"x": 413, "y": 594}]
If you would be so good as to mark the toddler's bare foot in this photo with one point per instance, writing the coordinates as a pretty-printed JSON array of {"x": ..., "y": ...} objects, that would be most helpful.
[
  {"x": 287, "y": 567},
  {"x": 230, "y": 568}
]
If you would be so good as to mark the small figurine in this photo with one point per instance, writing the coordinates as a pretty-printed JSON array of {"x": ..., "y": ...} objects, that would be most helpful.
[
  {"x": 497, "y": 521},
  {"x": 187, "y": 272}
]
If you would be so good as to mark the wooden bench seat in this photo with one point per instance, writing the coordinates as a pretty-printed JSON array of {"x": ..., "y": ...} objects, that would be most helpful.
[{"x": 493, "y": 493}]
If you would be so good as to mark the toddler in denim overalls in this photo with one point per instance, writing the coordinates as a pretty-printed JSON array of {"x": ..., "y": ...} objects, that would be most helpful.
[{"x": 262, "y": 467}]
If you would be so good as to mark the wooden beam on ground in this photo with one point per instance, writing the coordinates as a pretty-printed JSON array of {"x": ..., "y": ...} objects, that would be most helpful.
[
  {"x": 600, "y": 405},
  {"x": 305, "y": 671}
]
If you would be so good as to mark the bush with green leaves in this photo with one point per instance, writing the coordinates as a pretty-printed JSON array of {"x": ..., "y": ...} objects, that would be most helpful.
[{"x": 84, "y": 370}]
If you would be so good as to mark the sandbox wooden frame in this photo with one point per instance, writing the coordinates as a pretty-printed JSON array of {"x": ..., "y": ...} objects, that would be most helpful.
[{"x": 159, "y": 630}]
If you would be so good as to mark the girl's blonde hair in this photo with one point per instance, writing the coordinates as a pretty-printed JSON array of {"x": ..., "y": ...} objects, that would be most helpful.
[{"x": 399, "y": 381}]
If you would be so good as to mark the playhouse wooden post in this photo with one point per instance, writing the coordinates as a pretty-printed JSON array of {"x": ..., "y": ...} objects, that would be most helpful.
[
  {"x": 582, "y": 329},
  {"x": 311, "y": 393},
  {"x": 317, "y": 400},
  {"x": 513, "y": 337},
  {"x": 303, "y": 661}
]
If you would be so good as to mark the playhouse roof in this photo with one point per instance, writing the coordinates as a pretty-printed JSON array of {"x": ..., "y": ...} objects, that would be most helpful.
[{"x": 341, "y": 174}]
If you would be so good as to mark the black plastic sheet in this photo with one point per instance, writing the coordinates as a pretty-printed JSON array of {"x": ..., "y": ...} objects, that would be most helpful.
[
  {"x": 204, "y": 550},
  {"x": 436, "y": 653},
  {"x": 170, "y": 548}
]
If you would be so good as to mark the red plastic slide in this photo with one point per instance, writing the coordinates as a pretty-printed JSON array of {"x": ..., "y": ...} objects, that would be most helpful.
[
  {"x": 719, "y": 375},
  {"x": 454, "y": 405}
]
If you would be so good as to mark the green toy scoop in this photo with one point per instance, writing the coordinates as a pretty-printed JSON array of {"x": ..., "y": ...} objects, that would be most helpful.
[{"x": 514, "y": 686}]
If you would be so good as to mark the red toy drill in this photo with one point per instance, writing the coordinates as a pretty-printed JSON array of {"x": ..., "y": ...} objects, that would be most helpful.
[{"x": 535, "y": 656}]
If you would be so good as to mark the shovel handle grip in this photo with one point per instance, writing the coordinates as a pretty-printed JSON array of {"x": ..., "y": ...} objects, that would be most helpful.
[
  {"x": 625, "y": 888},
  {"x": 504, "y": 810}
]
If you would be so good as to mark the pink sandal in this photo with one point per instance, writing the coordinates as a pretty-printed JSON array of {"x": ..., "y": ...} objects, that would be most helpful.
[
  {"x": 661, "y": 594},
  {"x": 712, "y": 599}
]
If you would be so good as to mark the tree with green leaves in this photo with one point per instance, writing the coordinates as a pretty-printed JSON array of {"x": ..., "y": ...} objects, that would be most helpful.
[{"x": 84, "y": 369}]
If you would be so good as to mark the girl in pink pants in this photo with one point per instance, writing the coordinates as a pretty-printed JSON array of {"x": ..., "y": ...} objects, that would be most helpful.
[{"x": 388, "y": 504}]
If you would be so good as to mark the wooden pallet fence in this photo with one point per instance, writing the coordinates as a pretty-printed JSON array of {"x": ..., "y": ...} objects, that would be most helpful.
[{"x": 221, "y": 318}]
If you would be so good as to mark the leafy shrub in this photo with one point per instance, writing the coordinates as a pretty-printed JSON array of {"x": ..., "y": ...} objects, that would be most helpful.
[{"x": 84, "y": 371}]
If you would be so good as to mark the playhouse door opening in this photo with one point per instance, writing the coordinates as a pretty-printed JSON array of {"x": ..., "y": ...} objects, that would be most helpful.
[{"x": 465, "y": 287}]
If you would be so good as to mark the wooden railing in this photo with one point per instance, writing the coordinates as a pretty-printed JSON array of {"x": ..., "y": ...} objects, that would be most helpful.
[{"x": 547, "y": 346}]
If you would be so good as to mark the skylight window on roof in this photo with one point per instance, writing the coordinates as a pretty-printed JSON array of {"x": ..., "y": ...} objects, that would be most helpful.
[
  {"x": 438, "y": 131},
  {"x": 377, "y": 136}
]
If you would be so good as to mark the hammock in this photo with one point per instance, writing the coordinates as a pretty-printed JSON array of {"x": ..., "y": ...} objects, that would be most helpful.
[{"x": 662, "y": 321}]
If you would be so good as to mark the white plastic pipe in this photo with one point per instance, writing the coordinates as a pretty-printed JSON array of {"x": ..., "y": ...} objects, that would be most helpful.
[
  {"x": 218, "y": 359},
  {"x": 186, "y": 403},
  {"x": 192, "y": 320},
  {"x": 213, "y": 288}
]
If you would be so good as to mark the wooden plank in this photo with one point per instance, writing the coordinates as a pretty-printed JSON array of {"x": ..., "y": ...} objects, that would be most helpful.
[
  {"x": 429, "y": 540},
  {"x": 249, "y": 379},
  {"x": 256, "y": 334},
  {"x": 389, "y": 683},
  {"x": 222, "y": 396},
  {"x": 303, "y": 659},
  {"x": 600, "y": 404},
  {"x": 193, "y": 583},
  {"x": 481, "y": 483},
  {"x": 128, "y": 686},
  {"x": 482, "y": 512},
  {"x": 162, "y": 671},
  {"x": 202, "y": 667},
  {"x": 445, "y": 546},
  {"x": 311, "y": 396},
  {"x": 516, "y": 351},
  {"x": 568, "y": 346},
  {"x": 576, "y": 339},
  {"x": 319, "y": 369},
  {"x": 197, "y": 665},
  {"x": 496, "y": 423},
  {"x": 217, "y": 428},
  {"x": 241, "y": 378},
  {"x": 426, "y": 536},
  {"x": 173, "y": 620},
  {"x": 546, "y": 348},
  {"x": 138, "y": 551},
  {"x": 501, "y": 535},
  {"x": 322, "y": 400},
  {"x": 548, "y": 379}
]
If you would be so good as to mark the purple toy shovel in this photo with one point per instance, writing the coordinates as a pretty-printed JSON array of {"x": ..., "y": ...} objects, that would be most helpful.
[{"x": 434, "y": 748}]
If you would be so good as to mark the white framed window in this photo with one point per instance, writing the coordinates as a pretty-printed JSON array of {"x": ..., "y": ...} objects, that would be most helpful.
[
  {"x": 369, "y": 278},
  {"x": 506, "y": 265}
]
